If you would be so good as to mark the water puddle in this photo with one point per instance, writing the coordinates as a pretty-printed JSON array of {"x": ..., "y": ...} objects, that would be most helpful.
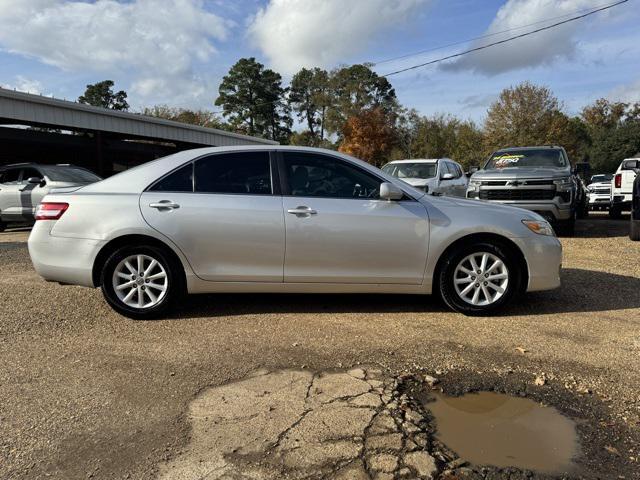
[{"x": 489, "y": 428}]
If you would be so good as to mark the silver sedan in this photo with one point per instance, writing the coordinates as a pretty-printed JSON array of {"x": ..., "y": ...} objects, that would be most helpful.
[{"x": 285, "y": 219}]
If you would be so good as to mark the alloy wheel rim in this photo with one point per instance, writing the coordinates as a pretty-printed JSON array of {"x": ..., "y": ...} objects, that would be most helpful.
[
  {"x": 481, "y": 279},
  {"x": 140, "y": 281}
]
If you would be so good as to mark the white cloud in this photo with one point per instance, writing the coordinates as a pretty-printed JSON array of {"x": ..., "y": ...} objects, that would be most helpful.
[
  {"x": 537, "y": 49},
  {"x": 309, "y": 33},
  {"x": 148, "y": 40},
  {"x": 24, "y": 84},
  {"x": 629, "y": 93}
]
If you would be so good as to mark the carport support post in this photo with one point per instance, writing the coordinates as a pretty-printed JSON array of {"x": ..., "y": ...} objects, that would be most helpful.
[{"x": 99, "y": 155}]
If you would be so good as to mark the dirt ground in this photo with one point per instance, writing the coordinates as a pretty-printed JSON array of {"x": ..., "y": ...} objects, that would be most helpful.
[{"x": 86, "y": 393}]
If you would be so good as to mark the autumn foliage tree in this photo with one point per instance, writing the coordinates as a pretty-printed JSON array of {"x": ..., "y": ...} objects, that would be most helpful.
[{"x": 369, "y": 136}]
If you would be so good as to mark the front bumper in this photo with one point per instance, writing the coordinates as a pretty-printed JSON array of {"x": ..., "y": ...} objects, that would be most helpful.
[
  {"x": 544, "y": 261},
  {"x": 62, "y": 259},
  {"x": 599, "y": 200}
]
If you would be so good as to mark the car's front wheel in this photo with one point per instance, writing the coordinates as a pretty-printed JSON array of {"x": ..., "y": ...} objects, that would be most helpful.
[
  {"x": 141, "y": 282},
  {"x": 479, "y": 278}
]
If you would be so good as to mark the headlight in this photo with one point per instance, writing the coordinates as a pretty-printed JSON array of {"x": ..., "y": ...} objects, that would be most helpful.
[
  {"x": 540, "y": 227},
  {"x": 474, "y": 186},
  {"x": 564, "y": 182}
]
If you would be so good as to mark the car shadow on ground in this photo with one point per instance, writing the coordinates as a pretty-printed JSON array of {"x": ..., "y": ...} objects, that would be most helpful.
[
  {"x": 599, "y": 225},
  {"x": 581, "y": 291}
]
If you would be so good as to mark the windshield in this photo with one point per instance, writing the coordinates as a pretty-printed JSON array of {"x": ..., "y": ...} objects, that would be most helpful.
[
  {"x": 70, "y": 174},
  {"x": 527, "y": 159},
  {"x": 411, "y": 170},
  {"x": 601, "y": 178}
]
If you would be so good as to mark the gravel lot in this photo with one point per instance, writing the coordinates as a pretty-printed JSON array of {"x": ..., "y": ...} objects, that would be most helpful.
[{"x": 87, "y": 393}]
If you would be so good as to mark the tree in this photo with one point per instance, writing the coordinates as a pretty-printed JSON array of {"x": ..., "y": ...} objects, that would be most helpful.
[
  {"x": 202, "y": 118},
  {"x": 368, "y": 136},
  {"x": 526, "y": 115},
  {"x": 357, "y": 89},
  {"x": 254, "y": 101},
  {"x": 438, "y": 136},
  {"x": 614, "y": 130},
  {"x": 101, "y": 95},
  {"x": 309, "y": 96}
]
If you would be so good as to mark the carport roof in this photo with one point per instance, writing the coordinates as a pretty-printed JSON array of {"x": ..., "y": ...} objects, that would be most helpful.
[{"x": 27, "y": 108}]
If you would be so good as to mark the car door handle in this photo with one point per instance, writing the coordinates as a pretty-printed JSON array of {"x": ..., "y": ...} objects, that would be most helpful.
[
  {"x": 164, "y": 204},
  {"x": 302, "y": 211}
]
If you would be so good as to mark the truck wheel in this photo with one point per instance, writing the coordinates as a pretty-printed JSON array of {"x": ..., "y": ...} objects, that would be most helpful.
[
  {"x": 478, "y": 278},
  {"x": 615, "y": 212},
  {"x": 634, "y": 230},
  {"x": 583, "y": 211},
  {"x": 2, "y": 227}
]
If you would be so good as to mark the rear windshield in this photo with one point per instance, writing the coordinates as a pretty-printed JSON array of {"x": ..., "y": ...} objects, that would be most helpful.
[
  {"x": 410, "y": 170},
  {"x": 70, "y": 174},
  {"x": 527, "y": 159}
]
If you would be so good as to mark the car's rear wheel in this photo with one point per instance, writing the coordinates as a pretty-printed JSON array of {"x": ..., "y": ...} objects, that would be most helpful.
[
  {"x": 479, "y": 278},
  {"x": 141, "y": 282}
]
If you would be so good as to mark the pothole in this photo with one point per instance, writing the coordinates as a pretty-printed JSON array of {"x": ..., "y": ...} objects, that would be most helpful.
[
  {"x": 489, "y": 428},
  {"x": 363, "y": 424}
]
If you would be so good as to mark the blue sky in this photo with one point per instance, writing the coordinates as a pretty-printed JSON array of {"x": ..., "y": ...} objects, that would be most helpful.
[{"x": 176, "y": 51}]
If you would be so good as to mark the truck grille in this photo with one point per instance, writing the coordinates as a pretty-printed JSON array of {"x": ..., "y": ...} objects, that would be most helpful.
[
  {"x": 603, "y": 191},
  {"x": 517, "y": 194}
]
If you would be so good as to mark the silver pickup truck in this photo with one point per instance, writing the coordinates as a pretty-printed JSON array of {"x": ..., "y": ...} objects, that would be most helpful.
[{"x": 536, "y": 178}]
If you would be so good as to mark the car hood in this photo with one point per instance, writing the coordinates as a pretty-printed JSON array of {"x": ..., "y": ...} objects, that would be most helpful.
[
  {"x": 520, "y": 173},
  {"x": 418, "y": 182},
  {"x": 473, "y": 204}
]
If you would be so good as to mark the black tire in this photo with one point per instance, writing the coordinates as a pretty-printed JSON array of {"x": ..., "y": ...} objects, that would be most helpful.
[
  {"x": 447, "y": 275},
  {"x": 175, "y": 287},
  {"x": 634, "y": 229},
  {"x": 615, "y": 212},
  {"x": 2, "y": 226}
]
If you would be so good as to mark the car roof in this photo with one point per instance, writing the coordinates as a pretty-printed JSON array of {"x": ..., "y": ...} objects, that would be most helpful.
[{"x": 420, "y": 160}]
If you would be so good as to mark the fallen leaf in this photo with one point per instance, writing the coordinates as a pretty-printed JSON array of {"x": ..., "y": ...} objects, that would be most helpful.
[
  {"x": 522, "y": 350},
  {"x": 612, "y": 450}
]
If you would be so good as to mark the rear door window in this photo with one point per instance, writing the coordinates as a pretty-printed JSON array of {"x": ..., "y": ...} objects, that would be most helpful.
[
  {"x": 180, "y": 180},
  {"x": 247, "y": 173}
]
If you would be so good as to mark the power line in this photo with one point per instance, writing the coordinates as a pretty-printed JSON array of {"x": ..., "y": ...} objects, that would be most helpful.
[
  {"x": 520, "y": 27},
  {"x": 482, "y": 47},
  {"x": 493, "y": 44}
]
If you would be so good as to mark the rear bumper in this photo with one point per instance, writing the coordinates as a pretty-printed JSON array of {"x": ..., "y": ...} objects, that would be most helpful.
[
  {"x": 62, "y": 259},
  {"x": 544, "y": 261}
]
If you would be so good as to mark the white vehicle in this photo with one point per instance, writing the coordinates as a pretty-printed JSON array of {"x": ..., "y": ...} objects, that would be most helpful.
[
  {"x": 622, "y": 187},
  {"x": 437, "y": 176},
  {"x": 599, "y": 192},
  {"x": 285, "y": 219}
]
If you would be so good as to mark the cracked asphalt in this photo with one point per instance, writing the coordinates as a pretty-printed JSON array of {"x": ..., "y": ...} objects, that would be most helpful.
[{"x": 85, "y": 393}]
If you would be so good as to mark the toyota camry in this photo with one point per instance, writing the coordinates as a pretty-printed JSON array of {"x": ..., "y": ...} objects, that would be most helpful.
[{"x": 284, "y": 219}]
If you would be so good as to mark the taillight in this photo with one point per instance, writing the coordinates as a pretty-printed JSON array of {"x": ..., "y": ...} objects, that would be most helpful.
[
  {"x": 618, "y": 180},
  {"x": 50, "y": 210}
]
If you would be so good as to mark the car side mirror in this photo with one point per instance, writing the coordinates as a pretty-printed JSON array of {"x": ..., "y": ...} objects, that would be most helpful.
[
  {"x": 473, "y": 170},
  {"x": 447, "y": 176},
  {"x": 34, "y": 180},
  {"x": 388, "y": 191},
  {"x": 630, "y": 164}
]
